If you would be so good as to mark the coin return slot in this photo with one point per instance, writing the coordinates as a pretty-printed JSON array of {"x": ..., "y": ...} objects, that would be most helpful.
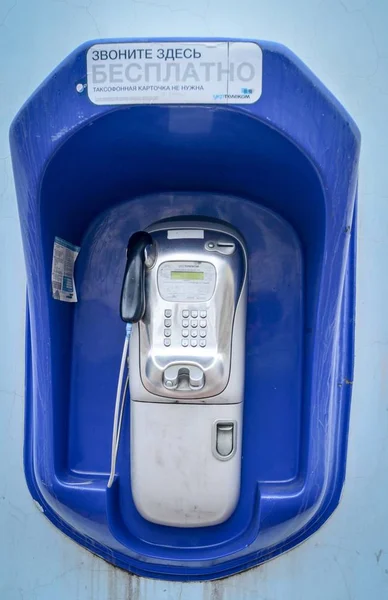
[{"x": 183, "y": 377}]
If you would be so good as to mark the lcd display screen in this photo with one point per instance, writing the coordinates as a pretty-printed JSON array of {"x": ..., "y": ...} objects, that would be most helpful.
[{"x": 188, "y": 275}]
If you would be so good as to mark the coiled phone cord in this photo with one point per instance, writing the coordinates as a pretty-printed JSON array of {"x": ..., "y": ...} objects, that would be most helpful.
[{"x": 119, "y": 405}]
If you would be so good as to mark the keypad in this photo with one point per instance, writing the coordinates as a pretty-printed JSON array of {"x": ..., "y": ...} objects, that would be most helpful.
[{"x": 192, "y": 324}]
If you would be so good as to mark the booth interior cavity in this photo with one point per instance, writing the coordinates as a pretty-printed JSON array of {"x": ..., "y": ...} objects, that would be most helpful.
[{"x": 153, "y": 164}]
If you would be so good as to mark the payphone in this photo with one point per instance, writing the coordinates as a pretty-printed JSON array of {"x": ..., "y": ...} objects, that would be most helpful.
[
  {"x": 185, "y": 290},
  {"x": 276, "y": 158}
]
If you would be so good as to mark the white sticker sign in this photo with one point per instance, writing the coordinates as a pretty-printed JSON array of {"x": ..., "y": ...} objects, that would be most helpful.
[
  {"x": 174, "y": 73},
  {"x": 62, "y": 271}
]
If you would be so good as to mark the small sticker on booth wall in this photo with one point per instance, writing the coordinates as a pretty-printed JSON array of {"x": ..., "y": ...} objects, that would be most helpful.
[
  {"x": 175, "y": 73},
  {"x": 62, "y": 271}
]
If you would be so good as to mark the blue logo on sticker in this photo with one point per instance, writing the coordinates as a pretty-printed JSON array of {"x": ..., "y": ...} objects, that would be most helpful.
[{"x": 67, "y": 284}]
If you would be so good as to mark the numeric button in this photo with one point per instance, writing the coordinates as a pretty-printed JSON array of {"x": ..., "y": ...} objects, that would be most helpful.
[
  {"x": 203, "y": 314},
  {"x": 167, "y": 322},
  {"x": 185, "y": 314},
  {"x": 202, "y": 323},
  {"x": 185, "y": 323},
  {"x": 194, "y": 323},
  {"x": 168, "y": 313}
]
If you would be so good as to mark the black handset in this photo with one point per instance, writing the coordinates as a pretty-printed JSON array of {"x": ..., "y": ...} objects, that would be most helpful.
[{"x": 133, "y": 301}]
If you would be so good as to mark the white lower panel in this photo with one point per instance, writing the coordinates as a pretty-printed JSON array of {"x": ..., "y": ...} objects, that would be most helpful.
[{"x": 176, "y": 478}]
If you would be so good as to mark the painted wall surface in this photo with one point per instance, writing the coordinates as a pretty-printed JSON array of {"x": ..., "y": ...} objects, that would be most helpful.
[{"x": 345, "y": 42}]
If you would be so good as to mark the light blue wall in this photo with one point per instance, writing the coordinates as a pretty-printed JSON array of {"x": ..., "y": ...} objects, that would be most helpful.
[{"x": 346, "y": 43}]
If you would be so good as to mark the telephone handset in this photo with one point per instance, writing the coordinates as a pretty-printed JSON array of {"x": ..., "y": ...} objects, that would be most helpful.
[
  {"x": 184, "y": 290},
  {"x": 132, "y": 303}
]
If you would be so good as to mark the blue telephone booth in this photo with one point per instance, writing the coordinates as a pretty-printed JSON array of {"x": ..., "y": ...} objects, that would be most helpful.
[{"x": 128, "y": 133}]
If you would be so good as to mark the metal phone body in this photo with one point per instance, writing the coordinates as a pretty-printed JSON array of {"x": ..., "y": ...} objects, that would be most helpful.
[{"x": 187, "y": 361}]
